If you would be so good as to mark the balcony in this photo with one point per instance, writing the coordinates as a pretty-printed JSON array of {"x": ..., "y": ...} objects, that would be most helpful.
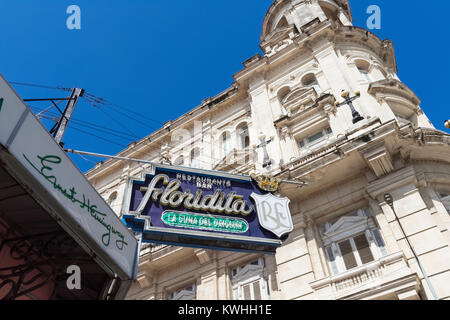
[
  {"x": 238, "y": 161},
  {"x": 388, "y": 278}
]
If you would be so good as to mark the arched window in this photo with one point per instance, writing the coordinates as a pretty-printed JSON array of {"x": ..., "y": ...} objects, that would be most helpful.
[
  {"x": 195, "y": 158},
  {"x": 243, "y": 136},
  {"x": 310, "y": 81},
  {"x": 363, "y": 68},
  {"x": 179, "y": 161},
  {"x": 112, "y": 199},
  {"x": 283, "y": 93},
  {"x": 226, "y": 143}
]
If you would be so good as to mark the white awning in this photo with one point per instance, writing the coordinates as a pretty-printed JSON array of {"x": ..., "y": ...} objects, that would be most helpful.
[{"x": 32, "y": 158}]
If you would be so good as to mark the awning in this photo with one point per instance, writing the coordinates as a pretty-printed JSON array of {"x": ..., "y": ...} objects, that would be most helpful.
[{"x": 52, "y": 218}]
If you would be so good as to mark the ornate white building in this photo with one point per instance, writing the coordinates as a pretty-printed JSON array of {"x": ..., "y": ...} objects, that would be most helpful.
[{"x": 348, "y": 243}]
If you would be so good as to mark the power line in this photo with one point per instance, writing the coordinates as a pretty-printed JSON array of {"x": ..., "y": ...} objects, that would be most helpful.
[
  {"x": 89, "y": 124},
  {"x": 98, "y": 102},
  {"x": 39, "y": 86},
  {"x": 102, "y": 138},
  {"x": 159, "y": 144},
  {"x": 146, "y": 125},
  {"x": 120, "y": 124},
  {"x": 105, "y": 102}
]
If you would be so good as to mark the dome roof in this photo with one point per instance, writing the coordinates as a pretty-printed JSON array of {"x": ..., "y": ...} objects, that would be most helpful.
[{"x": 279, "y": 8}]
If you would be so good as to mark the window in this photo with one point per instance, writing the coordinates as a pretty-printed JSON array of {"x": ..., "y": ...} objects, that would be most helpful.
[
  {"x": 351, "y": 241},
  {"x": 243, "y": 136},
  {"x": 195, "y": 158},
  {"x": 282, "y": 94},
  {"x": 310, "y": 81},
  {"x": 363, "y": 68},
  {"x": 316, "y": 138},
  {"x": 249, "y": 282},
  {"x": 112, "y": 199},
  {"x": 188, "y": 293},
  {"x": 365, "y": 74},
  {"x": 226, "y": 144}
]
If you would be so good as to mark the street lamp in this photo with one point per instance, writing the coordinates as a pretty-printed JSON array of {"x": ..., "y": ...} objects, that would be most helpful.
[
  {"x": 390, "y": 201},
  {"x": 447, "y": 124}
]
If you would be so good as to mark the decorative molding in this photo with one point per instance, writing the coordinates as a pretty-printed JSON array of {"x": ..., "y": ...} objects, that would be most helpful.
[
  {"x": 379, "y": 159},
  {"x": 346, "y": 227},
  {"x": 248, "y": 271},
  {"x": 204, "y": 256}
]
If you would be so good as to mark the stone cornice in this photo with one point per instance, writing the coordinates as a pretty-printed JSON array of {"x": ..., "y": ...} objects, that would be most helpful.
[
  {"x": 383, "y": 88},
  {"x": 163, "y": 133}
]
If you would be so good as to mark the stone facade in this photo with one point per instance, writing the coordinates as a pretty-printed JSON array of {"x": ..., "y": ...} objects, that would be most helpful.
[{"x": 348, "y": 243}]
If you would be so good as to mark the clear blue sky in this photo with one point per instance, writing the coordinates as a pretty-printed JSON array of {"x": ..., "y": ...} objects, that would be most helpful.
[{"x": 162, "y": 58}]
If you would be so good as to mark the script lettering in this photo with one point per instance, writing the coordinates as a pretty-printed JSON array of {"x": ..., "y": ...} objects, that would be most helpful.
[
  {"x": 173, "y": 197},
  {"x": 47, "y": 164}
]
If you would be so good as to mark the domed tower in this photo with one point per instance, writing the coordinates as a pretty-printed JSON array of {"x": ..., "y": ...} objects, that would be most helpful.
[
  {"x": 286, "y": 15},
  {"x": 317, "y": 65}
]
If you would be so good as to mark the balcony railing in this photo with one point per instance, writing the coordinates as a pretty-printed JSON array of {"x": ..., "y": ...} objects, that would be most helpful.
[{"x": 386, "y": 277}]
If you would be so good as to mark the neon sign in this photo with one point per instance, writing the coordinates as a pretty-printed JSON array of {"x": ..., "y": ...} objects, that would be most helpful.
[{"x": 199, "y": 208}]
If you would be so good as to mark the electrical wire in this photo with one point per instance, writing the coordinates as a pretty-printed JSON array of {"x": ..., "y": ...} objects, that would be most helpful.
[
  {"x": 38, "y": 86},
  {"x": 101, "y": 101},
  {"x": 94, "y": 126},
  {"x": 101, "y": 138},
  {"x": 88, "y": 125},
  {"x": 98, "y": 102},
  {"x": 118, "y": 123}
]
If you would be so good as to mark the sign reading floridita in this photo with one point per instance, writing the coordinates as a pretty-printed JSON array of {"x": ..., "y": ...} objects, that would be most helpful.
[{"x": 198, "y": 208}]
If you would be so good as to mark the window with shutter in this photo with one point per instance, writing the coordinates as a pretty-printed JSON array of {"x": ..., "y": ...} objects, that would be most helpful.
[
  {"x": 363, "y": 247},
  {"x": 188, "y": 293},
  {"x": 347, "y": 254},
  {"x": 351, "y": 241},
  {"x": 249, "y": 282}
]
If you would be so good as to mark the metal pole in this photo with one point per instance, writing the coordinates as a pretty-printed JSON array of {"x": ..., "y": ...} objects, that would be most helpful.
[
  {"x": 389, "y": 200},
  {"x": 107, "y": 156},
  {"x": 64, "y": 121}
]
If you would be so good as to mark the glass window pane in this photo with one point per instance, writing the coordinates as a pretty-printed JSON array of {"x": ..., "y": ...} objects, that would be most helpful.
[
  {"x": 301, "y": 143},
  {"x": 247, "y": 295},
  {"x": 256, "y": 290},
  {"x": 363, "y": 249},
  {"x": 315, "y": 137},
  {"x": 347, "y": 254}
]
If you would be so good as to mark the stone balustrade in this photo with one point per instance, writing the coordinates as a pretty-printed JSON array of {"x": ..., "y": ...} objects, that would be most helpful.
[{"x": 388, "y": 277}]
